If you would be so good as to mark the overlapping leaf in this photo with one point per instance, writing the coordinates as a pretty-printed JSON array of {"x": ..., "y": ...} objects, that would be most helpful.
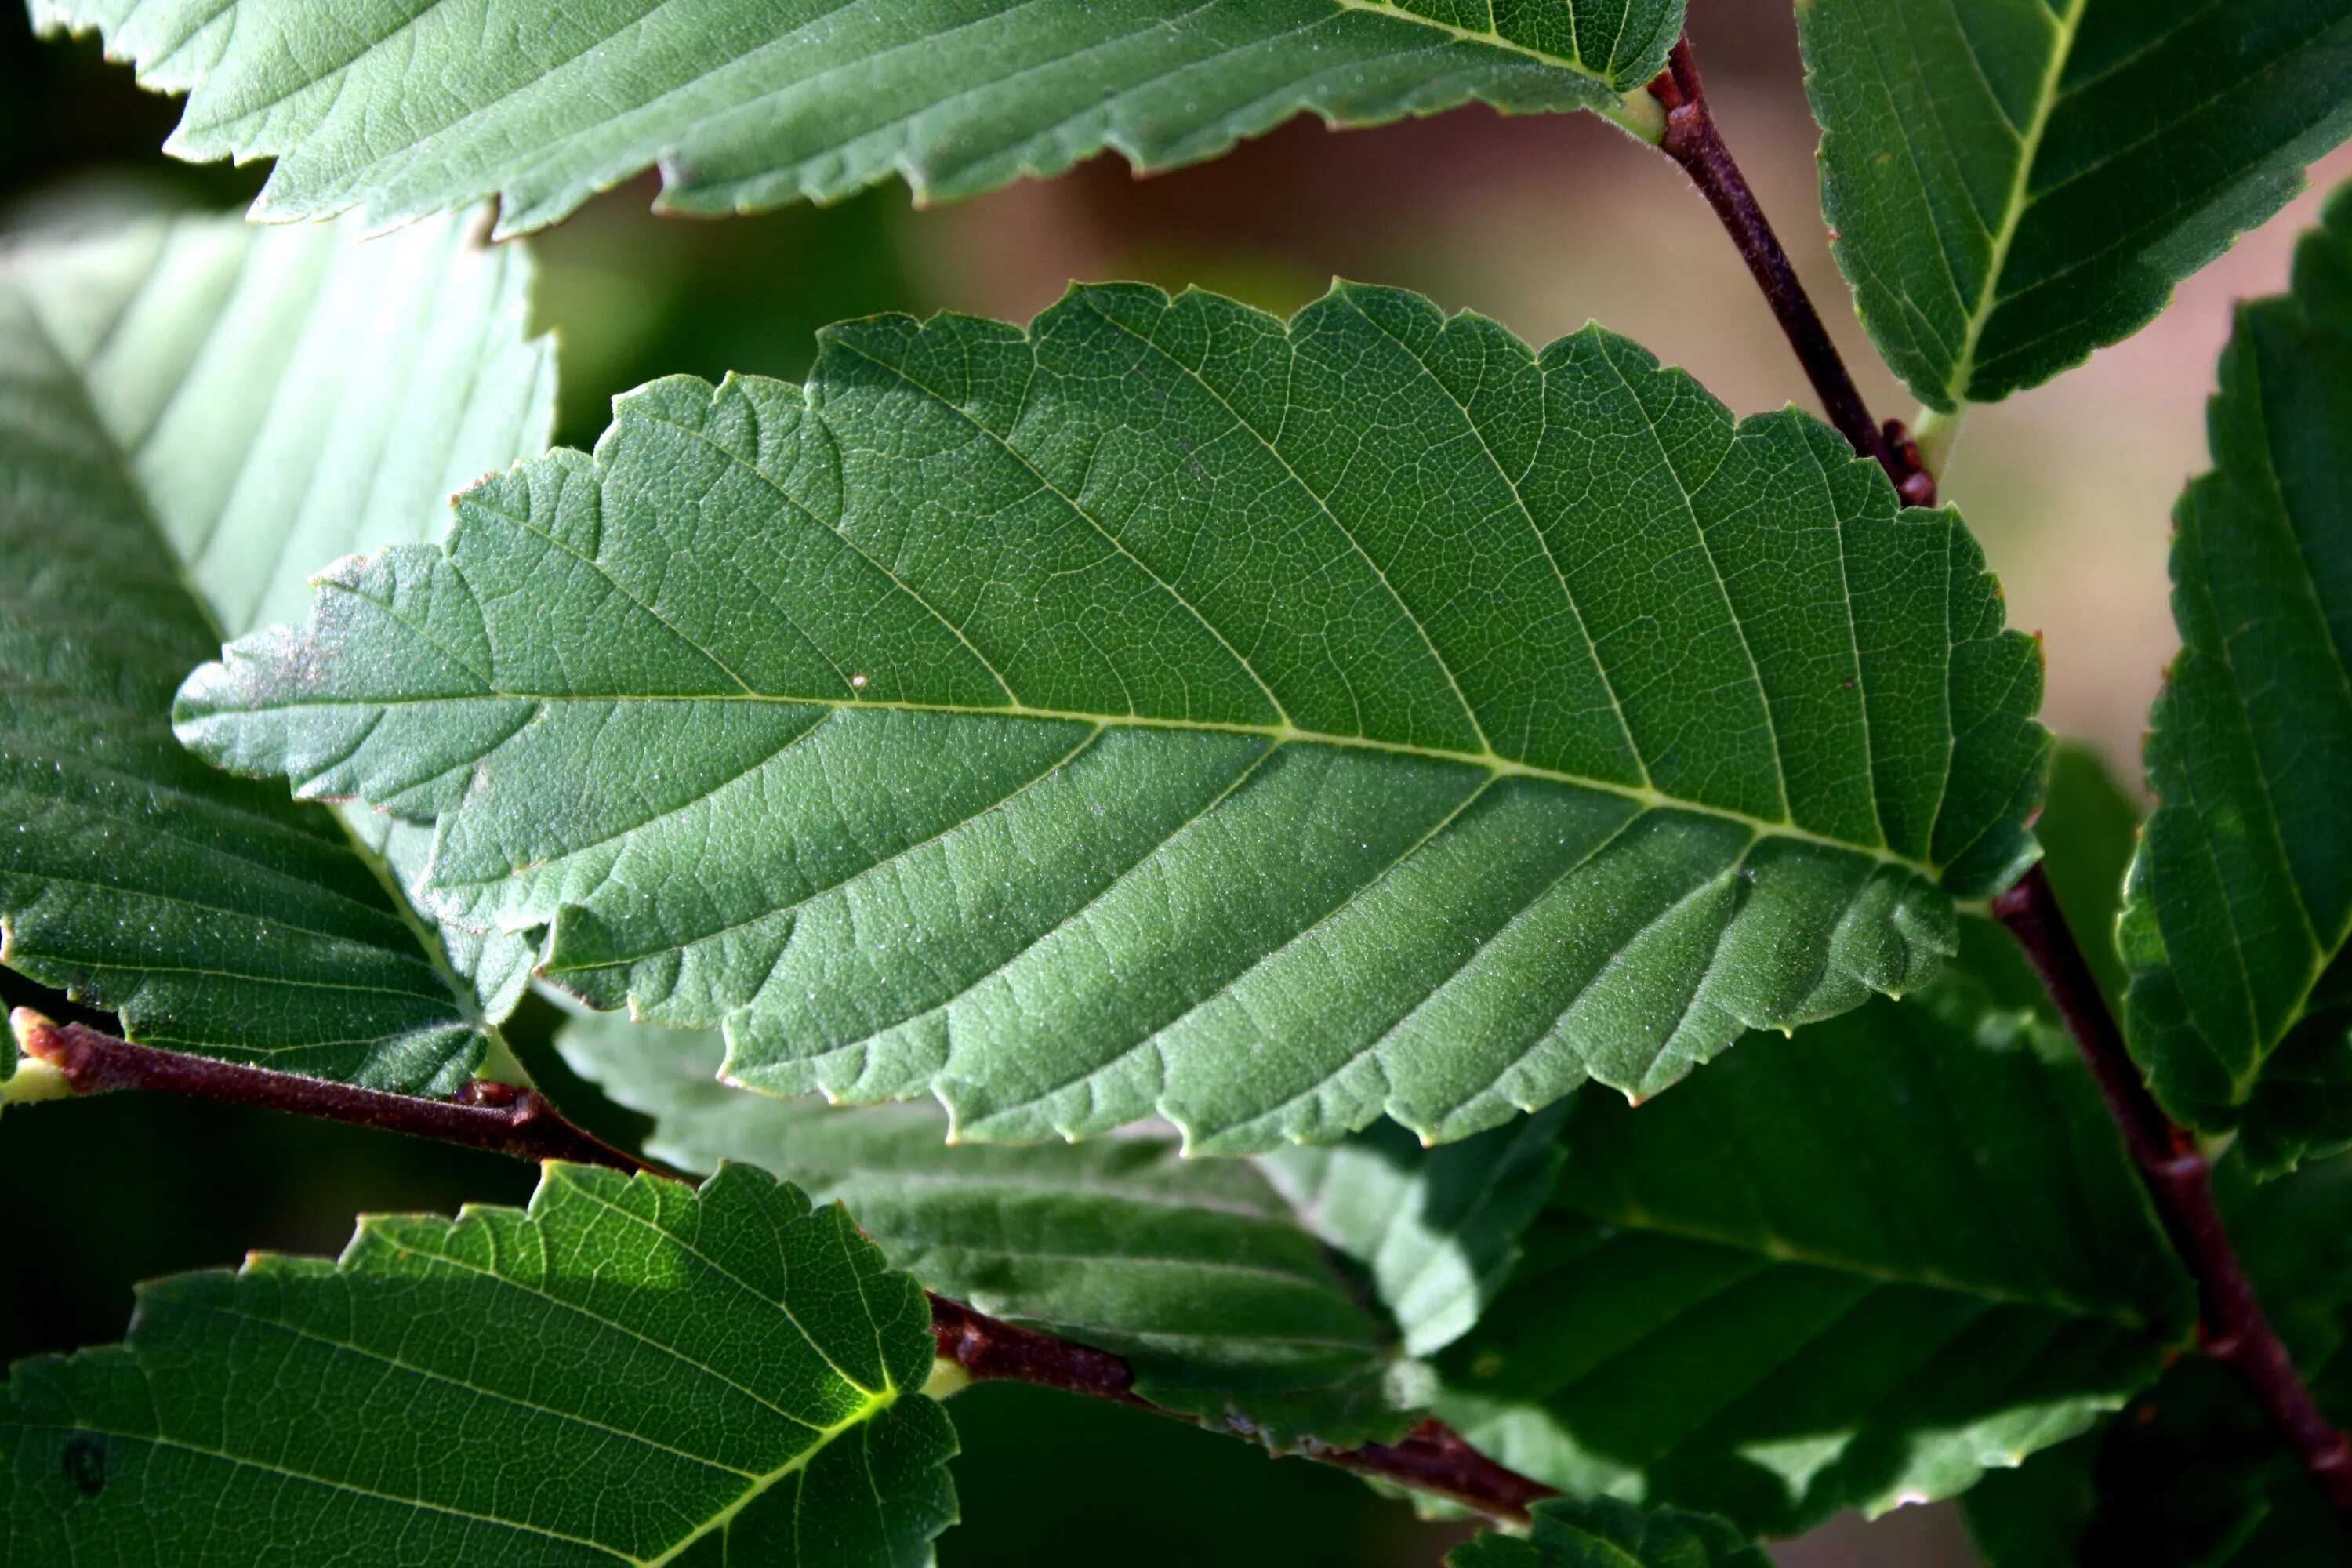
[
  {"x": 399, "y": 110},
  {"x": 1605, "y": 1533},
  {"x": 2193, "y": 1474},
  {"x": 1437, "y": 1228},
  {"x": 2015, "y": 183},
  {"x": 1166, "y": 709},
  {"x": 1856, "y": 1269},
  {"x": 631, "y": 1372},
  {"x": 1195, "y": 1270},
  {"x": 192, "y": 416},
  {"x": 2240, "y": 900}
]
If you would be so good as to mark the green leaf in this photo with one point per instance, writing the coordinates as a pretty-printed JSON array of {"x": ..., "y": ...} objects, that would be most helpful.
[
  {"x": 2240, "y": 897},
  {"x": 1854, "y": 1270},
  {"x": 630, "y": 1372},
  {"x": 2013, "y": 184},
  {"x": 1438, "y": 1229},
  {"x": 192, "y": 415},
  {"x": 1605, "y": 1533},
  {"x": 1167, "y": 711},
  {"x": 398, "y": 110},
  {"x": 1193, "y": 1269},
  {"x": 2192, "y": 1474}
]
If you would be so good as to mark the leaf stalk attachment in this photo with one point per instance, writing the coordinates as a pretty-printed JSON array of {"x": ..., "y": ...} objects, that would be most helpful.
[{"x": 1693, "y": 141}]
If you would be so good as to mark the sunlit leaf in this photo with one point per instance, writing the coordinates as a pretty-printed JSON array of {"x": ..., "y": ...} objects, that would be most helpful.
[
  {"x": 1171, "y": 711},
  {"x": 399, "y": 110},
  {"x": 630, "y": 1372},
  {"x": 192, "y": 415}
]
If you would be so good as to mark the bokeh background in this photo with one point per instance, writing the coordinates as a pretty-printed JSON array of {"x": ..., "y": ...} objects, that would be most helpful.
[{"x": 1540, "y": 223}]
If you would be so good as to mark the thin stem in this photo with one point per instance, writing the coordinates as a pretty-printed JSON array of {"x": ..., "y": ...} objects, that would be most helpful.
[
  {"x": 1432, "y": 1457},
  {"x": 2232, "y": 1325},
  {"x": 485, "y": 1114},
  {"x": 1692, "y": 140}
]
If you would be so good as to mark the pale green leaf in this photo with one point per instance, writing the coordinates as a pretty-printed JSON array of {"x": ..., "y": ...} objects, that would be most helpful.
[
  {"x": 1195, "y": 1270},
  {"x": 1437, "y": 1228},
  {"x": 192, "y": 415},
  {"x": 2013, "y": 184},
  {"x": 630, "y": 1373},
  {"x": 1854, "y": 1270},
  {"x": 1604, "y": 1532},
  {"x": 1170, "y": 710},
  {"x": 397, "y": 109},
  {"x": 2240, "y": 897}
]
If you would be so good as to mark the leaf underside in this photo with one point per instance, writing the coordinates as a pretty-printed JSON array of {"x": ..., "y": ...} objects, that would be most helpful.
[
  {"x": 2013, "y": 184},
  {"x": 1170, "y": 710},
  {"x": 630, "y": 1373},
  {"x": 397, "y": 110},
  {"x": 1606, "y": 1532},
  {"x": 1195, "y": 1270},
  {"x": 192, "y": 415},
  {"x": 2240, "y": 897},
  {"x": 1855, "y": 1270}
]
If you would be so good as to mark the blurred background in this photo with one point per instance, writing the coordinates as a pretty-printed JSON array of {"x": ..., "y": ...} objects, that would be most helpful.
[{"x": 1540, "y": 223}]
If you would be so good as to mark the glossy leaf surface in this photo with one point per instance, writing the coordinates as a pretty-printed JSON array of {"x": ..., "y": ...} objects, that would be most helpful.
[
  {"x": 1195, "y": 1270},
  {"x": 2240, "y": 897},
  {"x": 192, "y": 415},
  {"x": 630, "y": 1372},
  {"x": 2013, "y": 184},
  {"x": 398, "y": 110},
  {"x": 1169, "y": 709}
]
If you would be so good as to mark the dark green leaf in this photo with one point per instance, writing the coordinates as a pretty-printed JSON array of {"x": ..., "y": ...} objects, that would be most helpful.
[
  {"x": 629, "y": 1372},
  {"x": 2240, "y": 897},
  {"x": 1192, "y": 1269},
  {"x": 1438, "y": 1229},
  {"x": 1606, "y": 1532},
  {"x": 1854, "y": 1270},
  {"x": 2015, "y": 183},
  {"x": 2192, "y": 1474},
  {"x": 191, "y": 415},
  {"x": 399, "y": 110},
  {"x": 1168, "y": 710}
]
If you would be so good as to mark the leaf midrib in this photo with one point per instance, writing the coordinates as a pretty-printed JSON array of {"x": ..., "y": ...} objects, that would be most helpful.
[
  {"x": 2013, "y": 215},
  {"x": 1499, "y": 766}
]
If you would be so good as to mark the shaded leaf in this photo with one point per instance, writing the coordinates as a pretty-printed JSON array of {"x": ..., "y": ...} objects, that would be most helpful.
[
  {"x": 1605, "y": 1533},
  {"x": 1438, "y": 1229},
  {"x": 399, "y": 110},
  {"x": 2240, "y": 897},
  {"x": 1166, "y": 709},
  {"x": 2192, "y": 1474},
  {"x": 1854, "y": 1270},
  {"x": 1192, "y": 1269},
  {"x": 191, "y": 415},
  {"x": 628, "y": 1371},
  {"x": 2013, "y": 184}
]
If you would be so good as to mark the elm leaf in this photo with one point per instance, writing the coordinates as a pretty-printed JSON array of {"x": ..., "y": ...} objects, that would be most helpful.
[{"x": 1169, "y": 709}]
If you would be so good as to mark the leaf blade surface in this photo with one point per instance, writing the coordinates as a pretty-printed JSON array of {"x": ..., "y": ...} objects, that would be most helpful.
[
  {"x": 1264, "y": 727},
  {"x": 194, "y": 409},
  {"x": 400, "y": 111},
  {"x": 2012, "y": 184},
  {"x": 727, "y": 1373},
  {"x": 2241, "y": 895},
  {"x": 1195, "y": 1270}
]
